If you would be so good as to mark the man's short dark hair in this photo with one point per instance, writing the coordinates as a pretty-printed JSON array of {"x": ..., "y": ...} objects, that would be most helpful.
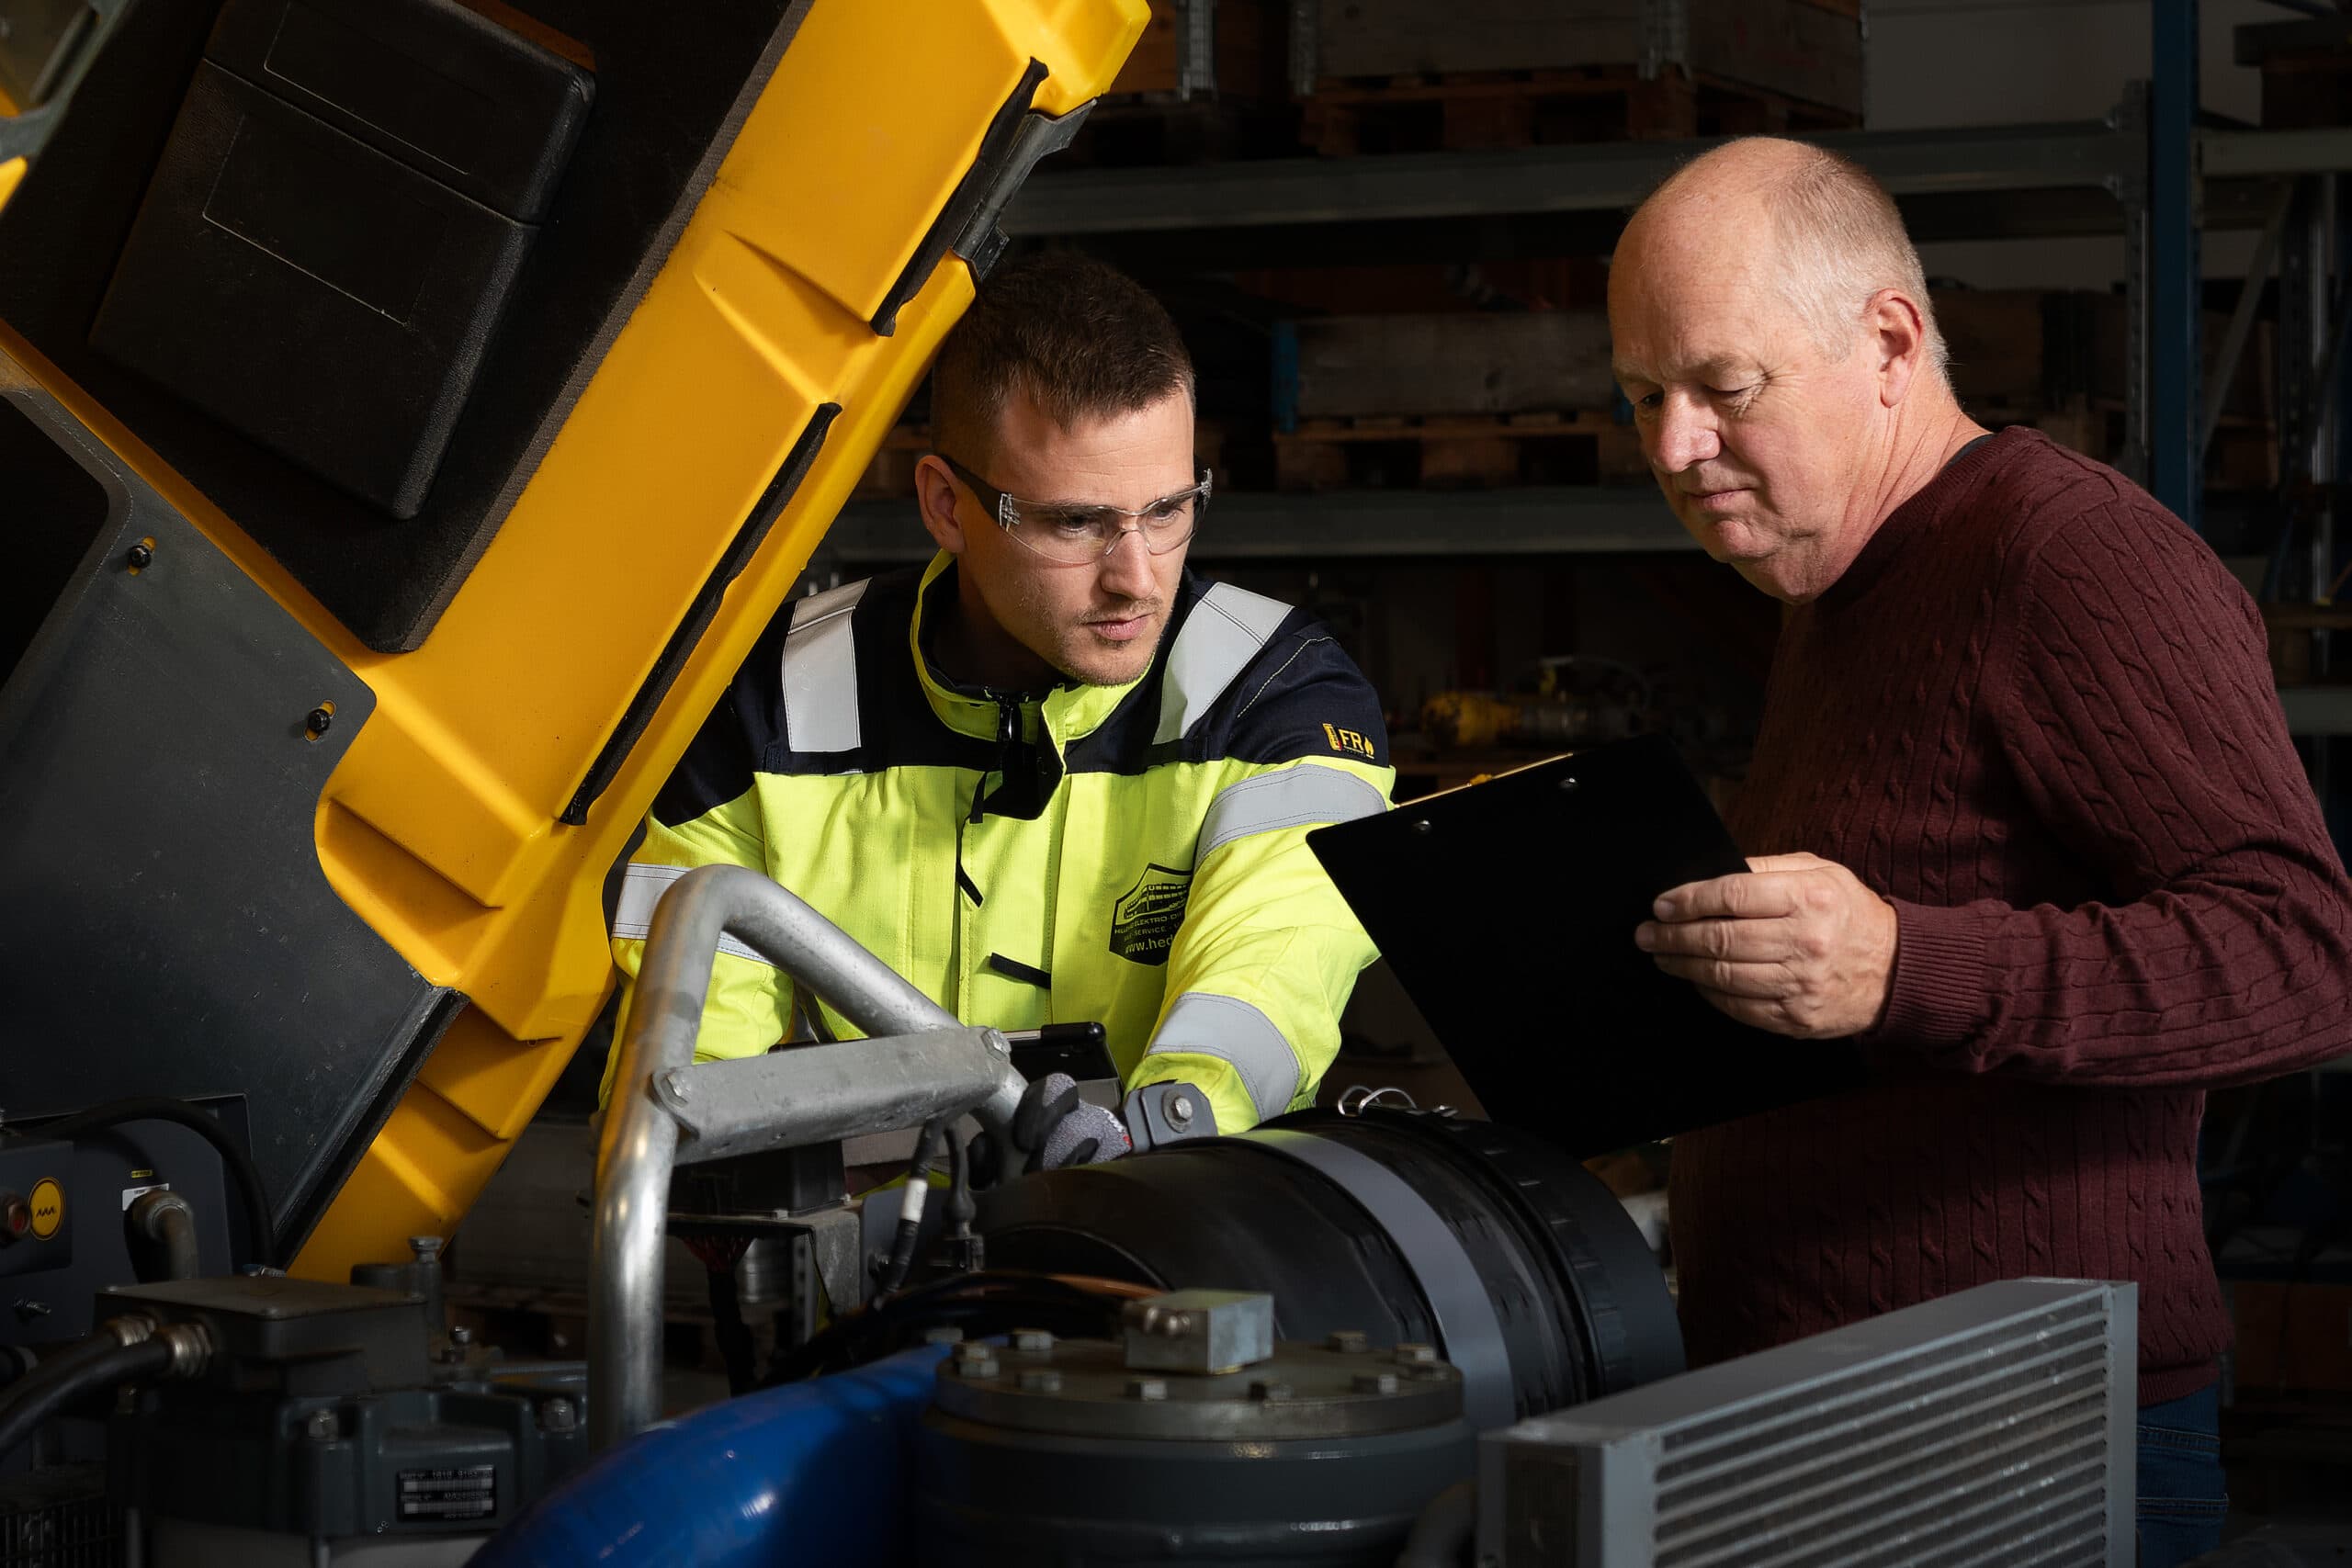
[{"x": 1083, "y": 339}]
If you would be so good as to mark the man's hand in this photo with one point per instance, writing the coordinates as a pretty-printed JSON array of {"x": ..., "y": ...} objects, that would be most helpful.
[
  {"x": 1798, "y": 946},
  {"x": 1054, "y": 1128}
]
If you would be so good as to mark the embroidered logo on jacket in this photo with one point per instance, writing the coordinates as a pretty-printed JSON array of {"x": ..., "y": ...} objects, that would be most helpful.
[
  {"x": 1144, "y": 921},
  {"x": 1345, "y": 741}
]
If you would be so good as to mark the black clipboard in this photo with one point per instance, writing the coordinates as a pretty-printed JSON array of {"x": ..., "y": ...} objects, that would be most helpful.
[{"x": 1507, "y": 910}]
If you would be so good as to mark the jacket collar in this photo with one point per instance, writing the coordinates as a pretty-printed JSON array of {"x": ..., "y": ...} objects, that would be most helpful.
[{"x": 1068, "y": 711}]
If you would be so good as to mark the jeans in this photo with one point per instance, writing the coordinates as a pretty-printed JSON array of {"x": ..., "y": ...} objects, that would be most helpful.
[{"x": 2182, "y": 1498}]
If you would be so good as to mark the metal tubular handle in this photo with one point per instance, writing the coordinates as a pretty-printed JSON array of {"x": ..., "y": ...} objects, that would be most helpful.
[{"x": 638, "y": 1146}]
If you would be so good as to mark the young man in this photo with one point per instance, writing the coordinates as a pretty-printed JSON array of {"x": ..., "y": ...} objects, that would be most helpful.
[{"x": 1053, "y": 776}]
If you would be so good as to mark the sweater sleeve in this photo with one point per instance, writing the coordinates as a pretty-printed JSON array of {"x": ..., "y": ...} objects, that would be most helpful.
[{"x": 2137, "y": 715}]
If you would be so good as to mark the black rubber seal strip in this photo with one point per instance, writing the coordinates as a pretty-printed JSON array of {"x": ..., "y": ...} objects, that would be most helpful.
[
  {"x": 688, "y": 635},
  {"x": 973, "y": 189}
]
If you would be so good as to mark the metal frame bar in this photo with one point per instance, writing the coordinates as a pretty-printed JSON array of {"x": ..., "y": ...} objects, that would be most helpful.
[
  {"x": 2265, "y": 257},
  {"x": 2175, "y": 307},
  {"x": 638, "y": 1146}
]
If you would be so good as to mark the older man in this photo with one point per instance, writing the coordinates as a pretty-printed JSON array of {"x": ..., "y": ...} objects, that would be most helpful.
[{"x": 2033, "y": 829}]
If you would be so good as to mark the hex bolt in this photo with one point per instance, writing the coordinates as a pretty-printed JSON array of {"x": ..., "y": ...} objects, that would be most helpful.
[
  {"x": 142, "y": 556},
  {"x": 1147, "y": 1388},
  {"x": 1375, "y": 1383},
  {"x": 1036, "y": 1341},
  {"x": 975, "y": 1360},
  {"x": 461, "y": 1336},
  {"x": 1179, "y": 1108},
  {"x": 680, "y": 1086},
  {"x": 943, "y": 1333},
  {"x": 559, "y": 1415},
  {"x": 1268, "y": 1391},
  {"x": 425, "y": 1249},
  {"x": 1411, "y": 1355},
  {"x": 1349, "y": 1340},
  {"x": 1150, "y": 1318},
  {"x": 1041, "y": 1379},
  {"x": 323, "y": 1427}
]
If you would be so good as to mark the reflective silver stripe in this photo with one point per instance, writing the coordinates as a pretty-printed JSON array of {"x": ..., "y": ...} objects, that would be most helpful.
[
  {"x": 1203, "y": 1023},
  {"x": 1297, "y": 795},
  {"x": 1223, "y": 633},
  {"x": 820, "y": 672},
  {"x": 641, "y": 889}
]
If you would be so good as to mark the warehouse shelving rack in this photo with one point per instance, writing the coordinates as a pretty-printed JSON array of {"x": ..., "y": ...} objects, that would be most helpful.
[{"x": 2147, "y": 171}]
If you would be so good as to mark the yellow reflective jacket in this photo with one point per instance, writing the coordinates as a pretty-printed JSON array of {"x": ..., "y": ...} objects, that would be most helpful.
[{"x": 1134, "y": 856}]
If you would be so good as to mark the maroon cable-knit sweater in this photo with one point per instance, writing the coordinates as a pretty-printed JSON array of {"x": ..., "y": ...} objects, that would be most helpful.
[{"x": 2036, "y": 715}]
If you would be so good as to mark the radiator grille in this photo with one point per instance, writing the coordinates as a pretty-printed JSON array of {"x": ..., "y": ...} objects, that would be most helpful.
[
  {"x": 1989, "y": 1428},
  {"x": 60, "y": 1518}
]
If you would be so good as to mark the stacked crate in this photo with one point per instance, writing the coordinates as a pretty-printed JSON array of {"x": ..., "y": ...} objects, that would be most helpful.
[
  {"x": 1474, "y": 398},
  {"x": 1407, "y": 75}
]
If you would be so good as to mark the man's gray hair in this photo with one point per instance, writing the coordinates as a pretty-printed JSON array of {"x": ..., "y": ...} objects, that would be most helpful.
[{"x": 1843, "y": 241}]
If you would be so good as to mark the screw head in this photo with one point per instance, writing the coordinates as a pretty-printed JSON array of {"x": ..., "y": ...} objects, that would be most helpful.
[
  {"x": 1268, "y": 1391},
  {"x": 559, "y": 1415},
  {"x": 425, "y": 1248},
  {"x": 1041, "y": 1379},
  {"x": 322, "y": 1426},
  {"x": 142, "y": 556},
  {"x": 317, "y": 721},
  {"x": 1375, "y": 1383},
  {"x": 1147, "y": 1388},
  {"x": 1349, "y": 1340},
  {"x": 1411, "y": 1355},
  {"x": 1035, "y": 1341}
]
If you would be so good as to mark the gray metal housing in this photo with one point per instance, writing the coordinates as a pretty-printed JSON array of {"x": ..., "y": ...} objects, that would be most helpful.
[
  {"x": 1993, "y": 1426},
  {"x": 168, "y": 928}
]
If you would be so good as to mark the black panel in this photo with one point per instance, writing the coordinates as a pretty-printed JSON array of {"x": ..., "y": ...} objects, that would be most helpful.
[
  {"x": 1534, "y": 881},
  {"x": 439, "y": 87},
  {"x": 167, "y": 928},
  {"x": 309, "y": 292},
  {"x": 668, "y": 98}
]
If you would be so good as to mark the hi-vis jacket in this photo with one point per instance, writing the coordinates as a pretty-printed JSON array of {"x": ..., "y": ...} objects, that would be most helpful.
[{"x": 1134, "y": 856}]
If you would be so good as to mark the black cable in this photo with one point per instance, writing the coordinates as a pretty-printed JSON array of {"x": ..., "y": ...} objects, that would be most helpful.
[
  {"x": 734, "y": 1335},
  {"x": 67, "y": 1380},
  {"x": 909, "y": 1232},
  {"x": 155, "y": 1108},
  {"x": 963, "y": 1246}
]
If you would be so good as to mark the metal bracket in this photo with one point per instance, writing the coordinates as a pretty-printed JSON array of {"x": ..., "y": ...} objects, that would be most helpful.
[
  {"x": 820, "y": 1094},
  {"x": 982, "y": 240},
  {"x": 1163, "y": 1113},
  {"x": 2225, "y": 369}
]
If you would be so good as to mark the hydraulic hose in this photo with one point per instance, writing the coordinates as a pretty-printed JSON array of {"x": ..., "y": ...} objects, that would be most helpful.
[
  {"x": 155, "y": 1108},
  {"x": 70, "y": 1378}
]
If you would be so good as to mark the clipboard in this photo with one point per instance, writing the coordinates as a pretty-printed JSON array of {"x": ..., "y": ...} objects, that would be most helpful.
[{"x": 1507, "y": 910}]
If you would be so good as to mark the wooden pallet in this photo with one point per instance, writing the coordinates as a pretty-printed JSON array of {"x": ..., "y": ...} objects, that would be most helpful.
[
  {"x": 1521, "y": 108},
  {"x": 1462, "y": 452}
]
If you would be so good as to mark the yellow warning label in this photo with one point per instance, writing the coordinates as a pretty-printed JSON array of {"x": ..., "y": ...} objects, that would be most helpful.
[{"x": 49, "y": 1208}]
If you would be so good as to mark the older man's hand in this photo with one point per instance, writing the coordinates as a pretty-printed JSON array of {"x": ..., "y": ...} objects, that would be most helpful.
[{"x": 1798, "y": 946}]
